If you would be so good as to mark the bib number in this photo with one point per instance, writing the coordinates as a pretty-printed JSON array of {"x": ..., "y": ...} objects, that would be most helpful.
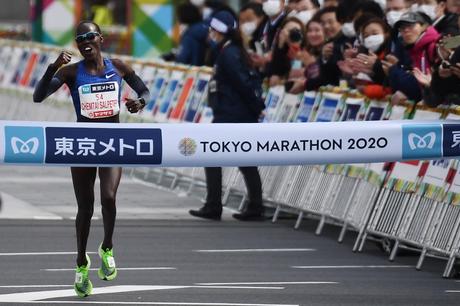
[{"x": 99, "y": 100}]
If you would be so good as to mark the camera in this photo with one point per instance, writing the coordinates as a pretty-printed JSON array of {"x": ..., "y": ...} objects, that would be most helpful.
[{"x": 295, "y": 36}]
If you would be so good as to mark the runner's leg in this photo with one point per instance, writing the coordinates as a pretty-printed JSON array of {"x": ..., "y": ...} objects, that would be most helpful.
[
  {"x": 110, "y": 179},
  {"x": 83, "y": 184}
]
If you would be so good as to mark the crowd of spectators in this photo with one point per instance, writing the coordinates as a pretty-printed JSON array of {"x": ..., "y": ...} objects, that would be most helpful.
[{"x": 398, "y": 49}]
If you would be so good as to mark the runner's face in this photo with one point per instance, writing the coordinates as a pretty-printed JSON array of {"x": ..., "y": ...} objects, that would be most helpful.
[{"x": 89, "y": 41}]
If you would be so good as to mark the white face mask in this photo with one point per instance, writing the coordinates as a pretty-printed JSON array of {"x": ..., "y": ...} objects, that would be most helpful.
[
  {"x": 197, "y": 2},
  {"x": 393, "y": 17},
  {"x": 248, "y": 28},
  {"x": 348, "y": 29},
  {"x": 271, "y": 7},
  {"x": 430, "y": 10},
  {"x": 305, "y": 16},
  {"x": 373, "y": 42}
]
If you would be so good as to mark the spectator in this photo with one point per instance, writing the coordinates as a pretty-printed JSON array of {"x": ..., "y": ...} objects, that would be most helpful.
[
  {"x": 443, "y": 88},
  {"x": 309, "y": 56},
  {"x": 252, "y": 19},
  {"x": 233, "y": 99},
  {"x": 445, "y": 23},
  {"x": 192, "y": 46},
  {"x": 288, "y": 44},
  {"x": 304, "y": 10},
  {"x": 377, "y": 43},
  {"x": 420, "y": 39},
  {"x": 275, "y": 11},
  {"x": 330, "y": 3},
  {"x": 453, "y": 6},
  {"x": 395, "y": 9},
  {"x": 332, "y": 51}
]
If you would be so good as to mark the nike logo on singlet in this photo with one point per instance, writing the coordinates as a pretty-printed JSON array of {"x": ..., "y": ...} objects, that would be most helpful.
[{"x": 108, "y": 76}]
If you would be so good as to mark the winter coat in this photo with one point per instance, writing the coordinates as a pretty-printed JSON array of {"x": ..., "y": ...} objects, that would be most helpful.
[
  {"x": 231, "y": 96},
  {"x": 192, "y": 46},
  {"x": 448, "y": 24},
  {"x": 423, "y": 52}
]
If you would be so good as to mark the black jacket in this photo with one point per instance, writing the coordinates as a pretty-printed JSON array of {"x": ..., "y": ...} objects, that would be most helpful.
[
  {"x": 233, "y": 98},
  {"x": 330, "y": 72},
  {"x": 447, "y": 25}
]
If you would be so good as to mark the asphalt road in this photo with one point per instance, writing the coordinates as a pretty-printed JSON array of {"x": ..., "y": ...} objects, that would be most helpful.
[{"x": 166, "y": 257}]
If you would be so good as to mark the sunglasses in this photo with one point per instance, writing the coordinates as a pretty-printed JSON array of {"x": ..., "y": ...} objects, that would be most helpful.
[{"x": 86, "y": 36}]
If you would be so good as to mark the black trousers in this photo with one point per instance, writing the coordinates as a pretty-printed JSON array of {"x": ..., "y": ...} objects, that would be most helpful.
[{"x": 214, "y": 187}]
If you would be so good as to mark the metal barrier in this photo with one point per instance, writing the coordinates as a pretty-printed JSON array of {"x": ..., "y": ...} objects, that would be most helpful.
[{"x": 399, "y": 202}]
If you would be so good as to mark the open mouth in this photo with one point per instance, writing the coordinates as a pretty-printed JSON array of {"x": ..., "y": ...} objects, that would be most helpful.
[{"x": 87, "y": 49}]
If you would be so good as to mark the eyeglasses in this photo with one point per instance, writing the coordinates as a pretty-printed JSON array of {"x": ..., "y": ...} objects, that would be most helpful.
[{"x": 86, "y": 36}]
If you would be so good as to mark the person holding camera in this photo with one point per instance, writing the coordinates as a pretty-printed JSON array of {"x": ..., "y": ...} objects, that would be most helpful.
[
  {"x": 288, "y": 45},
  {"x": 235, "y": 96},
  {"x": 442, "y": 86}
]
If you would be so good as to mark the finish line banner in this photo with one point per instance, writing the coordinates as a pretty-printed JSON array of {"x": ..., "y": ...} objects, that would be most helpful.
[{"x": 197, "y": 145}]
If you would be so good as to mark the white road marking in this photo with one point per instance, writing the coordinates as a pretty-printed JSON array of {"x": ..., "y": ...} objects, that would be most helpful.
[
  {"x": 238, "y": 287},
  {"x": 51, "y": 180},
  {"x": 42, "y": 253},
  {"x": 157, "y": 303},
  {"x": 52, "y": 294},
  {"x": 120, "y": 269},
  {"x": 452, "y": 291},
  {"x": 352, "y": 267},
  {"x": 37, "y": 297},
  {"x": 267, "y": 283},
  {"x": 36, "y": 286},
  {"x": 254, "y": 250},
  {"x": 48, "y": 218}
]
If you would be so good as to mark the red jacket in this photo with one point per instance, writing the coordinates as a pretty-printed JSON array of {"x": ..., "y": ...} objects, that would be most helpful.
[{"x": 423, "y": 52}]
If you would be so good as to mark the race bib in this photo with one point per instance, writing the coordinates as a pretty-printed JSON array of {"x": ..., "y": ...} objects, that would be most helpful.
[{"x": 99, "y": 100}]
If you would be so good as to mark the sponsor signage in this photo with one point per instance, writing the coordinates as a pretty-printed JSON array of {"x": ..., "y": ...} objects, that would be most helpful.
[{"x": 195, "y": 145}]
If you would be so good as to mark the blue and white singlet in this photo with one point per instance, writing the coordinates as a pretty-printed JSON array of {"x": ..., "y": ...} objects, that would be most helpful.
[{"x": 96, "y": 96}]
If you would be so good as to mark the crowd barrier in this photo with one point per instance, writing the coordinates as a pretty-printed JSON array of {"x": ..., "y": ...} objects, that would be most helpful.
[{"x": 412, "y": 203}]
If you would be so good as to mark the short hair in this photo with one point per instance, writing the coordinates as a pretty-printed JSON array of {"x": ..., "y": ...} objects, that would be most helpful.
[
  {"x": 89, "y": 22},
  {"x": 326, "y": 10},
  {"x": 188, "y": 13},
  {"x": 373, "y": 19},
  {"x": 255, "y": 7}
]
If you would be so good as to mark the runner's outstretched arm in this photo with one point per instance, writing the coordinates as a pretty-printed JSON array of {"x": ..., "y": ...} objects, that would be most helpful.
[{"x": 50, "y": 82}]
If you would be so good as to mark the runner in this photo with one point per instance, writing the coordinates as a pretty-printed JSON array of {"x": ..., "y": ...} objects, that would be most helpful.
[{"x": 93, "y": 69}]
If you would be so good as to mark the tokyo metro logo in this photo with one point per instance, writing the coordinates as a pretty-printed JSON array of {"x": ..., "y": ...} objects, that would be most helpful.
[
  {"x": 422, "y": 141},
  {"x": 24, "y": 144}
]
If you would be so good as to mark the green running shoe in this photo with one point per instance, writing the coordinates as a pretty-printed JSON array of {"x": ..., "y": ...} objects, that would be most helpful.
[
  {"x": 83, "y": 286},
  {"x": 108, "y": 269}
]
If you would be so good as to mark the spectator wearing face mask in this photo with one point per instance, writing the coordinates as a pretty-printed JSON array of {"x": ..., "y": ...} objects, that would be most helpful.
[
  {"x": 289, "y": 42},
  {"x": 376, "y": 36},
  {"x": 233, "y": 100},
  {"x": 251, "y": 20},
  {"x": 303, "y": 10},
  {"x": 275, "y": 11},
  {"x": 395, "y": 9}
]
